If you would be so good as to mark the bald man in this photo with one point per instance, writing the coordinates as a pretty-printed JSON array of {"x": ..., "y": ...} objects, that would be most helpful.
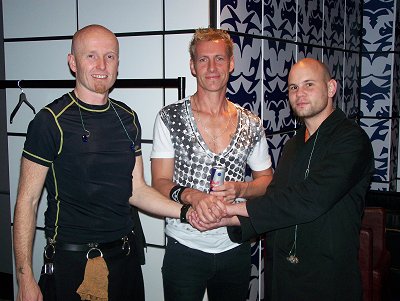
[
  {"x": 85, "y": 149},
  {"x": 311, "y": 212}
]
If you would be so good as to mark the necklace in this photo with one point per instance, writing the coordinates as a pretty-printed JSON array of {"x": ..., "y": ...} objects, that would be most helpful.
[
  {"x": 292, "y": 257},
  {"x": 132, "y": 146},
  {"x": 86, "y": 135},
  {"x": 206, "y": 130}
]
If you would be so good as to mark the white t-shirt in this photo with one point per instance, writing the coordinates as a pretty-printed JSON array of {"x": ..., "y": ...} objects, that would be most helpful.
[{"x": 176, "y": 136}]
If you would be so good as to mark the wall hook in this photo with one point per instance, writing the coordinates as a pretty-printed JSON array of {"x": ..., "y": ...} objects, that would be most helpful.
[{"x": 22, "y": 90}]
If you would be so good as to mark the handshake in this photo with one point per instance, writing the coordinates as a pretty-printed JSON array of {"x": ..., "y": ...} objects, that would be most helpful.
[{"x": 214, "y": 210}]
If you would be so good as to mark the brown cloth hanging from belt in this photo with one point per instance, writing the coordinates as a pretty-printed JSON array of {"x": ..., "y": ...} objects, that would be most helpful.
[{"x": 94, "y": 286}]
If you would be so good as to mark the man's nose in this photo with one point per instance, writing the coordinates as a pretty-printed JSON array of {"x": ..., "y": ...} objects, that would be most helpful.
[
  {"x": 101, "y": 64},
  {"x": 300, "y": 91},
  {"x": 211, "y": 65}
]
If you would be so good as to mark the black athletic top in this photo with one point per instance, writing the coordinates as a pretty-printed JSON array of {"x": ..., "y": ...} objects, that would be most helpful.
[{"x": 88, "y": 183}]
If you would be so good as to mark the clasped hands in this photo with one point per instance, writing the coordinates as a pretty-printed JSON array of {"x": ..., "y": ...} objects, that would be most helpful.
[{"x": 213, "y": 210}]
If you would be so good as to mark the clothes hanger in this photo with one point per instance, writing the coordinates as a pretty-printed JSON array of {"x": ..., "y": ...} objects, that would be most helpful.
[{"x": 22, "y": 99}]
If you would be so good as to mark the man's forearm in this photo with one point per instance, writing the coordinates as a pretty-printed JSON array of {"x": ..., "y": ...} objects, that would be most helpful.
[
  {"x": 259, "y": 185},
  {"x": 23, "y": 234},
  {"x": 163, "y": 186},
  {"x": 237, "y": 209},
  {"x": 150, "y": 200}
]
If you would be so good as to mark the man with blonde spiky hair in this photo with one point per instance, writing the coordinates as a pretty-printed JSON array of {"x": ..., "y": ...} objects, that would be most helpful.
[{"x": 190, "y": 137}]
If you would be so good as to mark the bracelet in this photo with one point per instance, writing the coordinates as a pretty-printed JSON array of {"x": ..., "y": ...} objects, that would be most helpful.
[
  {"x": 184, "y": 210},
  {"x": 176, "y": 192}
]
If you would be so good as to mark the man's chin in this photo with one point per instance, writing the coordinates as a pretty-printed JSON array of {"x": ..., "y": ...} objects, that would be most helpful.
[
  {"x": 101, "y": 89},
  {"x": 300, "y": 113}
]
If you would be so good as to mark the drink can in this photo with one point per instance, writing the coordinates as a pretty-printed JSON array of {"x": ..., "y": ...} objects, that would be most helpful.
[{"x": 217, "y": 176}]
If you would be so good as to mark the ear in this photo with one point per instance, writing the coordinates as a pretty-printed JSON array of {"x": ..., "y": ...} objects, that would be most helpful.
[
  {"x": 332, "y": 86},
  {"x": 71, "y": 62},
  {"x": 192, "y": 68}
]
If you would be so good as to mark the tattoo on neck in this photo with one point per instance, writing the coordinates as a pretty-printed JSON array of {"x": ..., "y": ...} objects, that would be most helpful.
[{"x": 21, "y": 270}]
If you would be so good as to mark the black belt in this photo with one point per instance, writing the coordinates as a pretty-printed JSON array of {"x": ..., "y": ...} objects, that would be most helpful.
[{"x": 83, "y": 247}]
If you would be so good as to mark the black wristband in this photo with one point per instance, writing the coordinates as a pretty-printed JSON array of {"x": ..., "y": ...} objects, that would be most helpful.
[
  {"x": 176, "y": 192},
  {"x": 184, "y": 210}
]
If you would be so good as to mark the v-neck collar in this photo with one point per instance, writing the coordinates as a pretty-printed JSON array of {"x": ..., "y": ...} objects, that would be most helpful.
[{"x": 200, "y": 138}]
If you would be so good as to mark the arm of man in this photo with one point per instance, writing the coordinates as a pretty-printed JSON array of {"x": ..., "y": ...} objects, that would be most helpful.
[
  {"x": 343, "y": 172},
  {"x": 233, "y": 211},
  {"x": 260, "y": 163},
  {"x": 32, "y": 178},
  {"x": 162, "y": 174},
  {"x": 147, "y": 198},
  {"x": 229, "y": 191}
]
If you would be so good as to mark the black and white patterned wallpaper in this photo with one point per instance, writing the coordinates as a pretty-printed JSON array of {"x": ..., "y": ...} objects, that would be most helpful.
[
  {"x": 359, "y": 41},
  {"x": 380, "y": 87},
  {"x": 271, "y": 35}
]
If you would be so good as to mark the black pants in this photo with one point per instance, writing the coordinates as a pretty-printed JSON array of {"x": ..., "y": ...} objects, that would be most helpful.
[
  {"x": 188, "y": 272},
  {"x": 125, "y": 280}
]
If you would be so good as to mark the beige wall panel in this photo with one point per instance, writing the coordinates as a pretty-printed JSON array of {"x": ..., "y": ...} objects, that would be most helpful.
[
  {"x": 178, "y": 61},
  {"x": 183, "y": 14},
  {"x": 31, "y": 18},
  {"x": 122, "y": 15},
  {"x": 37, "y": 60},
  {"x": 141, "y": 57}
]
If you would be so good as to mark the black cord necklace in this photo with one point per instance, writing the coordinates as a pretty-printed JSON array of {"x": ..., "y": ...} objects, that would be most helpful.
[
  {"x": 86, "y": 134},
  {"x": 292, "y": 256}
]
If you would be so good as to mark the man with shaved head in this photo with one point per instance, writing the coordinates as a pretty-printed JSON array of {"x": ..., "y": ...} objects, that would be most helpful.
[
  {"x": 85, "y": 148},
  {"x": 311, "y": 212}
]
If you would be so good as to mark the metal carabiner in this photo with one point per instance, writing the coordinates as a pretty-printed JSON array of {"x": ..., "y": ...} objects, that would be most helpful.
[
  {"x": 93, "y": 249},
  {"x": 126, "y": 243},
  {"x": 46, "y": 249}
]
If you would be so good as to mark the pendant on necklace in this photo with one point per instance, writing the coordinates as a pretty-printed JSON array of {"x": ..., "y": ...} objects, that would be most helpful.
[
  {"x": 293, "y": 259},
  {"x": 85, "y": 137},
  {"x": 132, "y": 147}
]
